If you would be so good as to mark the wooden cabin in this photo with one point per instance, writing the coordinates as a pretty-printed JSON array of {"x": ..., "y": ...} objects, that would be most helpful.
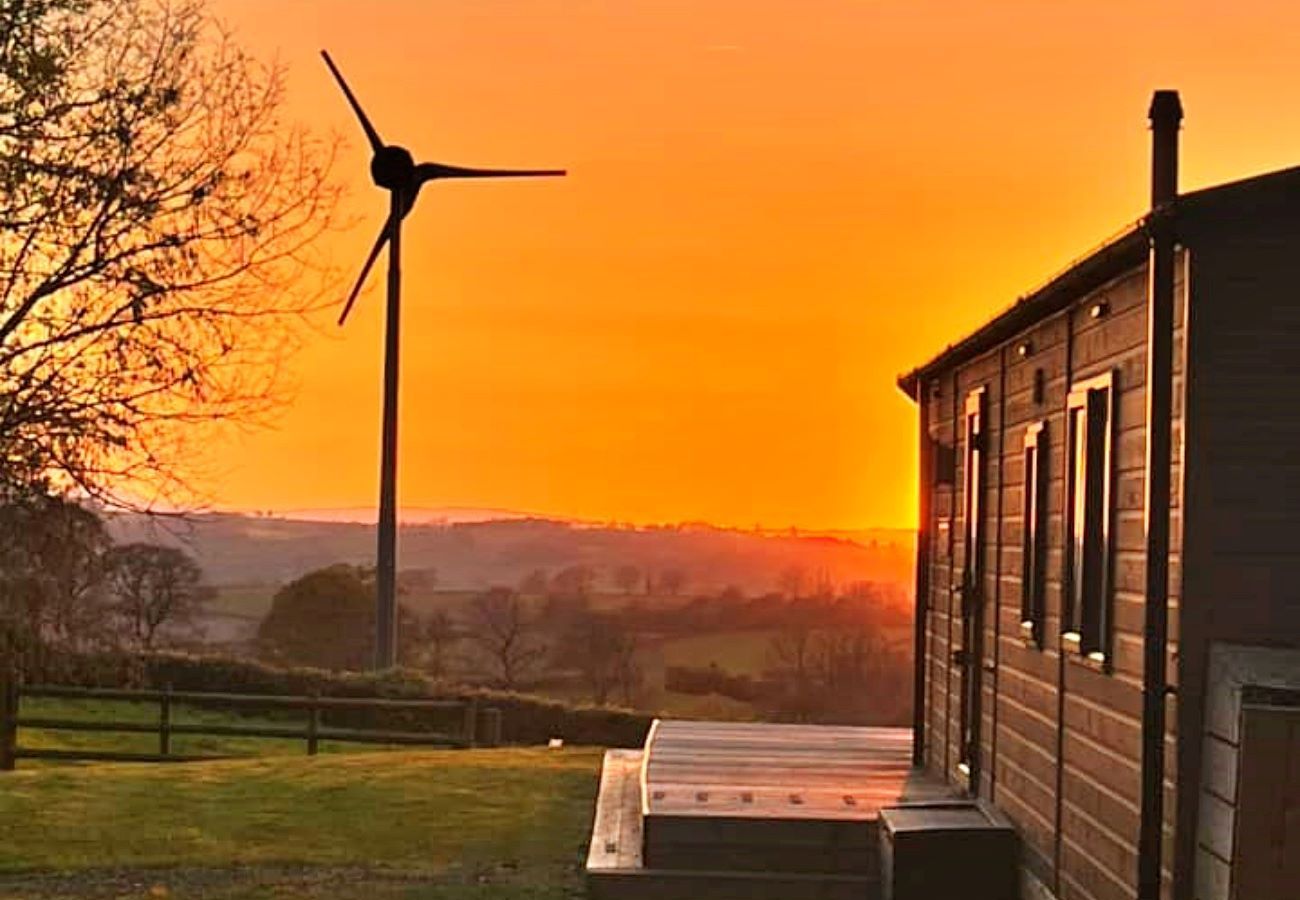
[{"x": 1108, "y": 565}]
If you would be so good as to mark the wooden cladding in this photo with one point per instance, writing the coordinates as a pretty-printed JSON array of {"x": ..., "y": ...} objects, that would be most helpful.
[
  {"x": 1033, "y": 604},
  {"x": 1090, "y": 429}
]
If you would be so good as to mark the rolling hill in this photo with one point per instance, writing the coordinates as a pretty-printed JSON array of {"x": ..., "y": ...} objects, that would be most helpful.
[{"x": 236, "y": 549}]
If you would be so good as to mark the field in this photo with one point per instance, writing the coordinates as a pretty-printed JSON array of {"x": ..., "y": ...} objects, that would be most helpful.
[
  {"x": 738, "y": 652},
  {"x": 441, "y": 825}
]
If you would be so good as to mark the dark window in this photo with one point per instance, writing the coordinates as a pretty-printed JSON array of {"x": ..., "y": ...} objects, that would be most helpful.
[
  {"x": 1090, "y": 426},
  {"x": 1034, "y": 547}
]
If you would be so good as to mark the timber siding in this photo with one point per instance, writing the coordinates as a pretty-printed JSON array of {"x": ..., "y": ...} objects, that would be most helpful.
[
  {"x": 1243, "y": 493},
  {"x": 1060, "y": 738}
]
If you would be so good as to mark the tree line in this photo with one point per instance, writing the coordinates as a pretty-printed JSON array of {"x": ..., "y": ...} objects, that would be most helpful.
[{"x": 66, "y": 587}]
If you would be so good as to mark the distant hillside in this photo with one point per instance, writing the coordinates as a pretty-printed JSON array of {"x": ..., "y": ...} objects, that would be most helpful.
[{"x": 241, "y": 549}]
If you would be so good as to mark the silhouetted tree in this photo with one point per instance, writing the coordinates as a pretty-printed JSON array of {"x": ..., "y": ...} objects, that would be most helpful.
[
  {"x": 499, "y": 622},
  {"x": 52, "y": 579},
  {"x": 823, "y": 584},
  {"x": 438, "y": 637},
  {"x": 326, "y": 618},
  {"x": 589, "y": 643},
  {"x": 629, "y": 671},
  {"x": 155, "y": 218},
  {"x": 155, "y": 589},
  {"x": 605, "y": 651},
  {"x": 573, "y": 581},
  {"x": 791, "y": 581},
  {"x": 792, "y": 658}
]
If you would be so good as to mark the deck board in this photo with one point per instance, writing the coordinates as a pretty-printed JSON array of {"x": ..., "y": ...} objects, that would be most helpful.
[{"x": 764, "y": 771}]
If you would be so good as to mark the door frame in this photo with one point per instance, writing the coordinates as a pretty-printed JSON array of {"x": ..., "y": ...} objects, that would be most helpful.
[{"x": 968, "y": 657}]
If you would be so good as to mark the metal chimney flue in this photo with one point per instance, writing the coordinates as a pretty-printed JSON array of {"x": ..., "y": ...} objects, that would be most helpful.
[{"x": 1166, "y": 116}]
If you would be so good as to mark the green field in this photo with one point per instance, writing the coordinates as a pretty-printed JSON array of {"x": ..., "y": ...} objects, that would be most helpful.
[
  {"x": 739, "y": 652},
  {"x": 252, "y": 601},
  {"x": 453, "y": 825}
]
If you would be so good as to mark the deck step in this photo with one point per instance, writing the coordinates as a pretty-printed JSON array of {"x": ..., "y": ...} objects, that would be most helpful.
[
  {"x": 755, "y": 845},
  {"x": 616, "y": 868},
  {"x": 744, "y": 811}
]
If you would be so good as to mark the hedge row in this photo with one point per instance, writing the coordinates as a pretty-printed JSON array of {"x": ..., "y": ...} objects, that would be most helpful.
[{"x": 526, "y": 718}]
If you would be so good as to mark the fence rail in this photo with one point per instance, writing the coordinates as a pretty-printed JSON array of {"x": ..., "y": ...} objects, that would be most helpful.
[{"x": 477, "y": 727}]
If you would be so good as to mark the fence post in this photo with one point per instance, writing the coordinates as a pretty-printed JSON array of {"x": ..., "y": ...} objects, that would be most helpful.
[
  {"x": 491, "y": 727},
  {"x": 165, "y": 721},
  {"x": 471, "y": 722},
  {"x": 8, "y": 721},
  {"x": 313, "y": 725}
]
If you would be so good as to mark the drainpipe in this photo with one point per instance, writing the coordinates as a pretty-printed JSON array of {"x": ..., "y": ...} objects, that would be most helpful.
[
  {"x": 923, "y": 539},
  {"x": 1166, "y": 114}
]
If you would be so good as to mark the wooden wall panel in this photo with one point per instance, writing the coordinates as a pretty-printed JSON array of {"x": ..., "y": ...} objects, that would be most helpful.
[{"x": 1242, "y": 479}]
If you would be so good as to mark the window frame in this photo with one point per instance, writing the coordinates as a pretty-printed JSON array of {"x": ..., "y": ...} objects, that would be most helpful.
[
  {"x": 1034, "y": 524},
  {"x": 1086, "y": 620}
]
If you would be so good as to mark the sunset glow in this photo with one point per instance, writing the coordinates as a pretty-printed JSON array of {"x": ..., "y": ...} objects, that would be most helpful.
[{"x": 773, "y": 208}]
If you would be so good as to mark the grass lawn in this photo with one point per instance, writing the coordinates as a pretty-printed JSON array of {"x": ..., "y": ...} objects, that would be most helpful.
[{"x": 441, "y": 824}]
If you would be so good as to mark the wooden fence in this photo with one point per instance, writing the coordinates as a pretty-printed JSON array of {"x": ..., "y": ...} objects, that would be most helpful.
[{"x": 476, "y": 727}]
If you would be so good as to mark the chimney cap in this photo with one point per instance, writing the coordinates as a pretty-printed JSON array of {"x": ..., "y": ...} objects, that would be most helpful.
[{"x": 1165, "y": 108}]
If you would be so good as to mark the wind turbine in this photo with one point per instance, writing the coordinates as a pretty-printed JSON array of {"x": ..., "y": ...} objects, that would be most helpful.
[{"x": 395, "y": 170}]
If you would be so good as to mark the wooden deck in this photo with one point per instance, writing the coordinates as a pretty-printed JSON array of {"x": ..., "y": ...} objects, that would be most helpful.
[
  {"x": 738, "y": 810},
  {"x": 748, "y": 770}
]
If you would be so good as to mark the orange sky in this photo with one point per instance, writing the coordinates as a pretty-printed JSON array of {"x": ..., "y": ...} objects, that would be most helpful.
[{"x": 773, "y": 209}]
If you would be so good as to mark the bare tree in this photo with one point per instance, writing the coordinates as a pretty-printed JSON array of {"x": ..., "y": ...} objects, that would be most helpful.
[
  {"x": 155, "y": 222},
  {"x": 823, "y": 584},
  {"x": 629, "y": 671},
  {"x": 791, "y": 581},
  {"x": 499, "y": 622},
  {"x": 606, "y": 653},
  {"x": 589, "y": 644},
  {"x": 792, "y": 656},
  {"x": 573, "y": 581},
  {"x": 791, "y": 651},
  {"x": 438, "y": 637},
  {"x": 154, "y": 588}
]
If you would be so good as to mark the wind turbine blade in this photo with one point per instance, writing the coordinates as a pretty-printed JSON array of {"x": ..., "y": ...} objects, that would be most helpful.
[
  {"x": 431, "y": 171},
  {"x": 365, "y": 270},
  {"x": 375, "y": 142}
]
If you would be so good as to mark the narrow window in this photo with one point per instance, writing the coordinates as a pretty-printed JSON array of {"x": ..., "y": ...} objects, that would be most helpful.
[
  {"x": 1034, "y": 548},
  {"x": 1090, "y": 420}
]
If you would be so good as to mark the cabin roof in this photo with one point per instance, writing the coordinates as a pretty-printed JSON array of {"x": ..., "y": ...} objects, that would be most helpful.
[{"x": 1119, "y": 254}]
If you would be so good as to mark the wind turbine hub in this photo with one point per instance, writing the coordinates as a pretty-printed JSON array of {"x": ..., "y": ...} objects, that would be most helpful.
[{"x": 392, "y": 168}]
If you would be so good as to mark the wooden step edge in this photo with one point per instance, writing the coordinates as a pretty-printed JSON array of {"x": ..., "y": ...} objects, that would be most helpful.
[
  {"x": 643, "y": 775},
  {"x": 676, "y": 884},
  {"x": 616, "y": 835},
  {"x": 735, "y": 875}
]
